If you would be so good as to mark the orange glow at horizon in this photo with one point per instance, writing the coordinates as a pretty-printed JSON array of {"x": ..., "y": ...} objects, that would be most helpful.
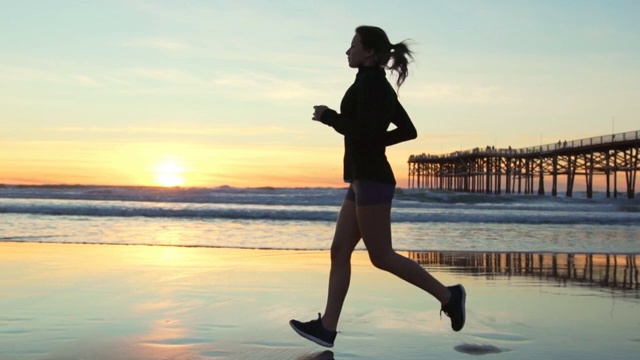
[
  {"x": 193, "y": 165},
  {"x": 168, "y": 164}
]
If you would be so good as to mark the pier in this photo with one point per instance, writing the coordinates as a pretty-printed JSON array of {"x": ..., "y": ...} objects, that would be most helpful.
[{"x": 527, "y": 170}]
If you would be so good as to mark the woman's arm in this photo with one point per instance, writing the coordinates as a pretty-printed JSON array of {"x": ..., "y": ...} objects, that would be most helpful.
[
  {"x": 375, "y": 106},
  {"x": 404, "y": 128}
]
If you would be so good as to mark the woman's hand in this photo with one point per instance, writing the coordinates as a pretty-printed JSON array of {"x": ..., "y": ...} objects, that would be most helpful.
[{"x": 317, "y": 112}]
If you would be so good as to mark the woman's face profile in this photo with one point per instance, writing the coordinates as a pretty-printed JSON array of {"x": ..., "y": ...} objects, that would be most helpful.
[{"x": 357, "y": 55}]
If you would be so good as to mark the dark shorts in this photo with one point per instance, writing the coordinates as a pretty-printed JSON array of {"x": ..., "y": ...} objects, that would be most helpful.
[{"x": 366, "y": 192}]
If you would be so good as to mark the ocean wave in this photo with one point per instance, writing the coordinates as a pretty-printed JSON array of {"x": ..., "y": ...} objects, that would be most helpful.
[
  {"x": 296, "y": 196},
  {"x": 219, "y": 195},
  {"x": 308, "y": 204},
  {"x": 263, "y": 212}
]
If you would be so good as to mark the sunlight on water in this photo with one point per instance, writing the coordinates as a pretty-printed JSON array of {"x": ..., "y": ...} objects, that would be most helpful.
[
  {"x": 276, "y": 234},
  {"x": 150, "y": 302}
]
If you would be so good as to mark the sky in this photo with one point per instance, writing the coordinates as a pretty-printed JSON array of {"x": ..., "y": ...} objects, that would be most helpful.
[{"x": 211, "y": 93}]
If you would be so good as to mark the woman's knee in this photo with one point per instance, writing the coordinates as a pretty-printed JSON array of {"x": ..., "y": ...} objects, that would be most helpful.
[
  {"x": 340, "y": 254},
  {"x": 382, "y": 259}
]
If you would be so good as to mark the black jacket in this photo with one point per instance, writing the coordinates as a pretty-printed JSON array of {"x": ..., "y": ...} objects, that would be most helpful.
[{"x": 366, "y": 110}]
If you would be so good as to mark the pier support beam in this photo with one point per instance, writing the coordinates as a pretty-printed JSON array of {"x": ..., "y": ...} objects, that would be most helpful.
[
  {"x": 554, "y": 174},
  {"x": 588, "y": 159},
  {"x": 541, "y": 180},
  {"x": 631, "y": 171}
]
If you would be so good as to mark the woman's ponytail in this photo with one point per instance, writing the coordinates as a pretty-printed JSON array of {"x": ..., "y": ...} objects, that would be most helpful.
[{"x": 395, "y": 57}]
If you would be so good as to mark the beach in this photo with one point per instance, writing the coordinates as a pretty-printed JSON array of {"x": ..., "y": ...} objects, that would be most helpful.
[
  {"x": 175, "y": 175},
  {"x": 87, "y": 301}
]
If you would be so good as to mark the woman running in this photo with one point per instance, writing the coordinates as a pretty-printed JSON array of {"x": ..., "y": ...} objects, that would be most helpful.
[{"x": 367, "y": 109}]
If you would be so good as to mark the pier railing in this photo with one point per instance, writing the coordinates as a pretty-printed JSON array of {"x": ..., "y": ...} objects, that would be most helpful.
[
  {"x": 572, "y": 144},
  {"x": 596, "y": 140}
]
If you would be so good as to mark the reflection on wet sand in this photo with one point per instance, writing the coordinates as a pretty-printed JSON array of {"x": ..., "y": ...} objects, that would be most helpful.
[{"x": 614, "y": 271}]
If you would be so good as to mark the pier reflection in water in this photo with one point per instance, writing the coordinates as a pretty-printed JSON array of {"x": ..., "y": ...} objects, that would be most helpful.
[{"x": 613, "y": 271}]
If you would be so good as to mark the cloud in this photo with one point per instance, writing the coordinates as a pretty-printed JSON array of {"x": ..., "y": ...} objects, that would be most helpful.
[
  {"x": 28, "y": 74},
  {"x": 157, "y": 81},
  {"x": 85, "y": 80},
  {"x": 181, "y": 12},
  {"x": 22, "y": 75},
  {"x": 169, "y": 75},
  {"x": 163, "y": 44},
  {"x": 463, "y": 93},
  {"x": 261, "y": 85},
  {"x": 243, "y": 131}
]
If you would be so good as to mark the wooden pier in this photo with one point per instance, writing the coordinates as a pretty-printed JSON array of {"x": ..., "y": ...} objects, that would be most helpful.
[{"x": 526, "y": 170}]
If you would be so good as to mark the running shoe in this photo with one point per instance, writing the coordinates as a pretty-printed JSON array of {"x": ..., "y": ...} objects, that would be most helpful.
[
  {"x": 454, "y": 309},
  {"x": 314, "y": 330}
]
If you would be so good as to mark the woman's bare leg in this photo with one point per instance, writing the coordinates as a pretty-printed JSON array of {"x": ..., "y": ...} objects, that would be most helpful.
[
  {"x": 345, "y": 240},
  {"x": 374, "y": 223}
]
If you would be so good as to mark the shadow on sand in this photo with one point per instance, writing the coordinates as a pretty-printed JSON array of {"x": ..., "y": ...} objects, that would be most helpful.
[
  {"x": 323, "y": 355},
  {"x": 478, "y": 349}
]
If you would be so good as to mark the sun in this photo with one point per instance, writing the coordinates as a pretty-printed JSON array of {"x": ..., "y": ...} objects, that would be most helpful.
[{"x": 169, "y": 173}]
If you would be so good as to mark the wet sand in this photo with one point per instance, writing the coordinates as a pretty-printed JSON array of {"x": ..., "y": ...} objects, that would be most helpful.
[{"x": 62, "y": 301}]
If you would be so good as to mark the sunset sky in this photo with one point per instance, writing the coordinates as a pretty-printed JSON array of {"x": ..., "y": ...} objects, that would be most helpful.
[{"x": 210, "y": 93}]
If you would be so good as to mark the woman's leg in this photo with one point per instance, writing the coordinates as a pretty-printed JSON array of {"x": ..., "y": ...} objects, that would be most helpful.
[
  {"x": 345, "y": 239},
  {"x": 374, "y": 223}
]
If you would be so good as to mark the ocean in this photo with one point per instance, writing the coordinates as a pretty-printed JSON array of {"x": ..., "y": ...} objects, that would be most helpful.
[
  {"x": 304, "y": 219},
  {"x": 550, "y": 278}
]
